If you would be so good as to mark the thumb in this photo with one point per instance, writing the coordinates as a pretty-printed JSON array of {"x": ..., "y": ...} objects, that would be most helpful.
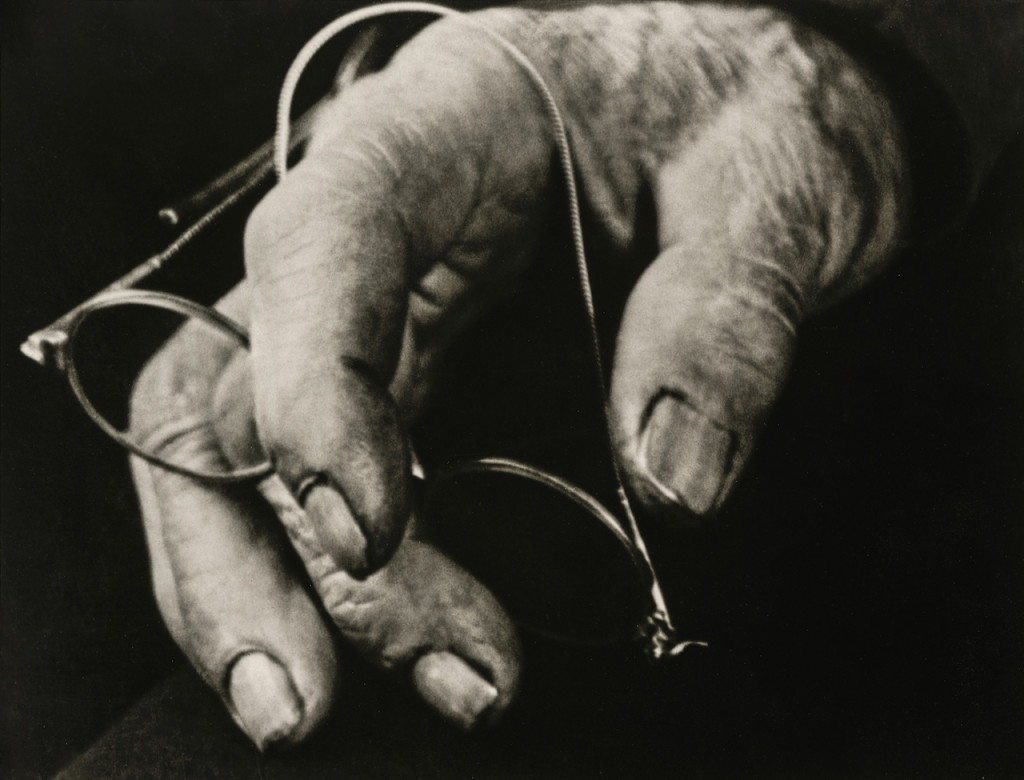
[
  {"x": 700, "y": 360},
  {"x": 761, "y": 221}
]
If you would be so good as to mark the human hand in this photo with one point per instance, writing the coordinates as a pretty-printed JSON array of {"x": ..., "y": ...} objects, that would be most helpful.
[{"x": 776, "y": 174}]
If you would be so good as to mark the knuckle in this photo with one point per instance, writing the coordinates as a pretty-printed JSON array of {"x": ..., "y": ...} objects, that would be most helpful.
[
  {"x": 283, "y": 439},
  {"x": 170, "y": 401},
  {"x": 277, "y": 226},
  {"x": 301, "y": 218},
  {"x": 264, "y": 230}
]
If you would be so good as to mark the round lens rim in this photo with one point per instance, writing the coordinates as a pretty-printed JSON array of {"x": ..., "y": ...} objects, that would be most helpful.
[
  {"x": 178, "y": 305},
  {"x": 644, "y": 576}
]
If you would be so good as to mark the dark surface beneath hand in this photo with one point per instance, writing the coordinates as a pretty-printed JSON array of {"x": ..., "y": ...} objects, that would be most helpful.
[{"x": 863, "y": 591}]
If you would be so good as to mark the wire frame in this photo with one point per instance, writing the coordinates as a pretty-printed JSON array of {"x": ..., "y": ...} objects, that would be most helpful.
[
  {"x": 177, "y": 305},
  {"x": 605, "y": 560}
]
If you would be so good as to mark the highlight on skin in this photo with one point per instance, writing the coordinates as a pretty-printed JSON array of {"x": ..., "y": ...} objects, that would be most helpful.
[{"x": 410, "y": 214}]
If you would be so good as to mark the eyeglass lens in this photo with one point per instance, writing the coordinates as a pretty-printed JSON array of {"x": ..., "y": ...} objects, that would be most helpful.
[
  {"x": 552, "y": 562},
  {"x": 110, "y": 349}
]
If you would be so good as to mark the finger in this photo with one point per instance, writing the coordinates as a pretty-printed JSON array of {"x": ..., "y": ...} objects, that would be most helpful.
[
  {"x": 696, "y": 371},
  {"x": 228, "y": 594},
  {"x": 763, "y": 220},
  {"x": 395, "y": 193},
  {"x": 421, "y": 614},
  {"x": 234, "y": 607}
]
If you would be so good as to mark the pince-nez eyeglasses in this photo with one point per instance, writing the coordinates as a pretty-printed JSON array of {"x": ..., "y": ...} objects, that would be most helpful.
[{"x": 474, "y": 506}]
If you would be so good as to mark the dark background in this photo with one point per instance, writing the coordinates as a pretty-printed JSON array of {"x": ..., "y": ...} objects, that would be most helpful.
[{"x": 863, "y": 591}]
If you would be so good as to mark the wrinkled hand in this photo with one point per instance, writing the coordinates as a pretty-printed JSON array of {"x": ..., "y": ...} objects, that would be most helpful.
[{"x": 775, "y": 170}]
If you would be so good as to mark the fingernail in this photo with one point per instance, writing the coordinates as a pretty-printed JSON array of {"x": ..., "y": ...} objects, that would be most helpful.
[
  {"x": 685, "y": 454},
  {"x": 338, "y": 530},
  {"x": 265, "y": 699},
  {"x": 453, "y": 688}
]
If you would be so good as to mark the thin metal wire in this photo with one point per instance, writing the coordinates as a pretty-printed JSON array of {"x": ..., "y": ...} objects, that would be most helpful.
[
  {"x": 660, "y": 633},
  {"x": 189, "y": 310},
  {"x": 48, "y": 344},
  {"x": 261, "y": 161}
]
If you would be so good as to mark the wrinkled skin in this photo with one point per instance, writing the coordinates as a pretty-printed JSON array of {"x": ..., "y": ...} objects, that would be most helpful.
[{"x": 777, "y": 177}]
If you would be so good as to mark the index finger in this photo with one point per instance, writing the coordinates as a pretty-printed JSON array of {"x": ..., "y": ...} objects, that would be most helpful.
[{"x": 398, "y": 177}]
